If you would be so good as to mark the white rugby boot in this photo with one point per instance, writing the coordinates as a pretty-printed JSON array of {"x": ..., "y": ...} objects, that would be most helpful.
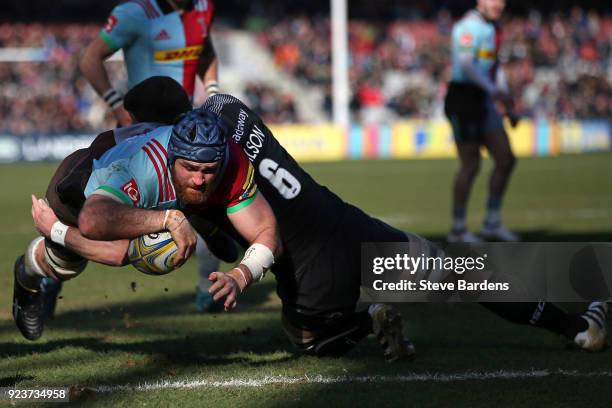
[{"x": 594, "y": 337}]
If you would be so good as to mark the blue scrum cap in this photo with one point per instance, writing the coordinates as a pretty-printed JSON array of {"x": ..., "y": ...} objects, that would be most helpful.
[{"x": 199, "y": 136}]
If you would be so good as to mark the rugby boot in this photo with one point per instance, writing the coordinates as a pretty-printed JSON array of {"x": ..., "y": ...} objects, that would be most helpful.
[
  {"x": 594, "y": 337},
  {"x": 27, "y": 307},
  {"x": 387, "y": 327}
]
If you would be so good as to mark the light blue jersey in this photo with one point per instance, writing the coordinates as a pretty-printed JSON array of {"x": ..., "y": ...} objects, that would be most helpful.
[
  {"x": 480, "y": 39},
  {"x": 155, "y": 43},
  {"x": 135, "y": 172}
]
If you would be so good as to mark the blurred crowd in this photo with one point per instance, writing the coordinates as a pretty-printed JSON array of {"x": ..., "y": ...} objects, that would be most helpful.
[
  {"x": 272, "y": 105},
  {"x": 559, "y": 66},
  {"x": 48, "y": 94},
  {"x": 45, "y": 93},
  {"x": 556, "y": 67}
]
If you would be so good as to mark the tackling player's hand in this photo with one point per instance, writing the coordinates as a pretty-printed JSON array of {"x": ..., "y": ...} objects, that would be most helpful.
[
  {"x": 183, "y": 235},
  {"x": 43, "y": 216},
  {"x": 123, "y": 117},
  {"x": 225, "y": 285}
]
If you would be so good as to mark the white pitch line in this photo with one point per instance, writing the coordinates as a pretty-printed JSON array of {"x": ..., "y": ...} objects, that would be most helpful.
[{"x": 319, "y": 379}]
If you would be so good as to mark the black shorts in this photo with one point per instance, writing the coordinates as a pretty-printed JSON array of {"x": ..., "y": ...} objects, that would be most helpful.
[
  {"x": 465, "y": 107},
  {"x": 331, "y": 278}
]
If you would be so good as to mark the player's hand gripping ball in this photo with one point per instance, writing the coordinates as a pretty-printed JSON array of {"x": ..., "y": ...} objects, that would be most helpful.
[{"x": 153, "y": 254}]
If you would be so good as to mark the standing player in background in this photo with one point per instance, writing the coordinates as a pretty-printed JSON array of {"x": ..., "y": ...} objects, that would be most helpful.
[
  {"x": 158, "y": 38},
  {"x": 476, "y": 85}
]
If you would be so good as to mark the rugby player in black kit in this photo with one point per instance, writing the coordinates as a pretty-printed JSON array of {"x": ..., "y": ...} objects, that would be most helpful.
[{"x": 319, "y": 274}]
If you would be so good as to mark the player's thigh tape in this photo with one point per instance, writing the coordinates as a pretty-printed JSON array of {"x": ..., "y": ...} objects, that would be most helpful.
[{"x": 63, "y": 268}]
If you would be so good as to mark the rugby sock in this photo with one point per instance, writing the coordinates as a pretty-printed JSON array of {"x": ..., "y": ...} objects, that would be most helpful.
[
  {"x": 373, "y": 308},
  {"x": 31, "y": 275},
  {"x": 492, "y": 218},
  {"x": 553, "y": 318},
  {"x": 458, "y": 220},
  {"x": 541, "y": 314}
]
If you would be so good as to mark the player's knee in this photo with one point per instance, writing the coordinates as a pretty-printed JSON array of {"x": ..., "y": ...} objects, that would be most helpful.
[
  {"x": 507, "y": 163},
  {"x": 325, "y": 346},
  {"x": 470, "y": 169},
  {"x": 325, "y": 337},
  {"x": 64, "y": 267}
]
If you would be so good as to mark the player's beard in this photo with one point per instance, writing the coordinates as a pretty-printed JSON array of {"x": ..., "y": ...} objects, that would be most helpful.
[{"x": 189, "y": 194}]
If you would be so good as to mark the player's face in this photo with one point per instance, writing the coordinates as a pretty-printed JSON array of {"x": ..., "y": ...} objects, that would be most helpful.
[
  {"x": 491, "y": 9},
  {"x": 192, "y": 180}
]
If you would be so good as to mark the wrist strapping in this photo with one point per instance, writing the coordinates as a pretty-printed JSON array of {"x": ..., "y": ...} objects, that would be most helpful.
[
  {"x": 258, "y": 258},
  {"x": 58, "y": 233},
  {"x": 211, "y": 88},
  {"x": 113, "y": 98}
]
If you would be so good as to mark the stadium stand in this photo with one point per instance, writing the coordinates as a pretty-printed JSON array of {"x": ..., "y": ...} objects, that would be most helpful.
[{"x": 557, "y": 67}]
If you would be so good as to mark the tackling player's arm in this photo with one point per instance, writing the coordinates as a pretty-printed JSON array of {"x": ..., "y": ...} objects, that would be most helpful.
[
  {"x": 103, "y": 218},
  {"x": 113, "y": 253},
  {"x": 256, "y": 223},
  {"x": 208, "y": 68}
]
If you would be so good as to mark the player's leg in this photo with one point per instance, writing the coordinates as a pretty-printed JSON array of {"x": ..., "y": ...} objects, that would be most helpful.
[
  {"x": 587, "y": 331},
  {"x": 36, "y": 286},
  {"x": 207, "y": 264},
  {"x": 467, "y": 134},
  {"x": 497, "y": 143},
  {"x": 42, "y": 260},
  {"x": 469, "y": 165},
  {"x": 326, "y": 286},
  {"x": 334, "y": 333},
  {"x": 324, "y": 334}
]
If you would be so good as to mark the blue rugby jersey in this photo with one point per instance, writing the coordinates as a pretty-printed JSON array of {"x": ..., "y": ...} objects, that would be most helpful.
[
  {"x": 479, "y": 38},
  {"x": 155, "y": 43}
]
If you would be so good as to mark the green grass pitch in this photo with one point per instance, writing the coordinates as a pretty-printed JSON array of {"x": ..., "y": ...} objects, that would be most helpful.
[{"x": 111, "y": 332}]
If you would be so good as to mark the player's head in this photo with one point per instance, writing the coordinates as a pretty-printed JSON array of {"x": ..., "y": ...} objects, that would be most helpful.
[
  {"x": 491, "y": 9},
  {"x": 197, "y": 152},
  {"x": 157, "y": 99}
]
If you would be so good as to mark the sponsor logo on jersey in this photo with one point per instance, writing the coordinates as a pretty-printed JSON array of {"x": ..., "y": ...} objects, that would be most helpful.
[
  {"x": 239, "y": 129},
  {"x": 162, "y": 35},
  {"x": 110, "y": 23},
  {"x": 179, "y": 54},
  {"x": 255, "y": 143},
  {"x": 131, "y": 189},
  {"x": 466, "y": 40},
  {"x": 486, "y": 54}
]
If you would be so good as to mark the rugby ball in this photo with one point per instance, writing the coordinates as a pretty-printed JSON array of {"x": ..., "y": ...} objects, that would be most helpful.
[{"x": 153, "y": 254}]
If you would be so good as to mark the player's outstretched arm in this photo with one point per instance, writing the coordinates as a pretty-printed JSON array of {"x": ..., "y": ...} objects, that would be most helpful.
[
  {"x": 113, "y": 253},
  {"x": 257, "y": 225}
]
